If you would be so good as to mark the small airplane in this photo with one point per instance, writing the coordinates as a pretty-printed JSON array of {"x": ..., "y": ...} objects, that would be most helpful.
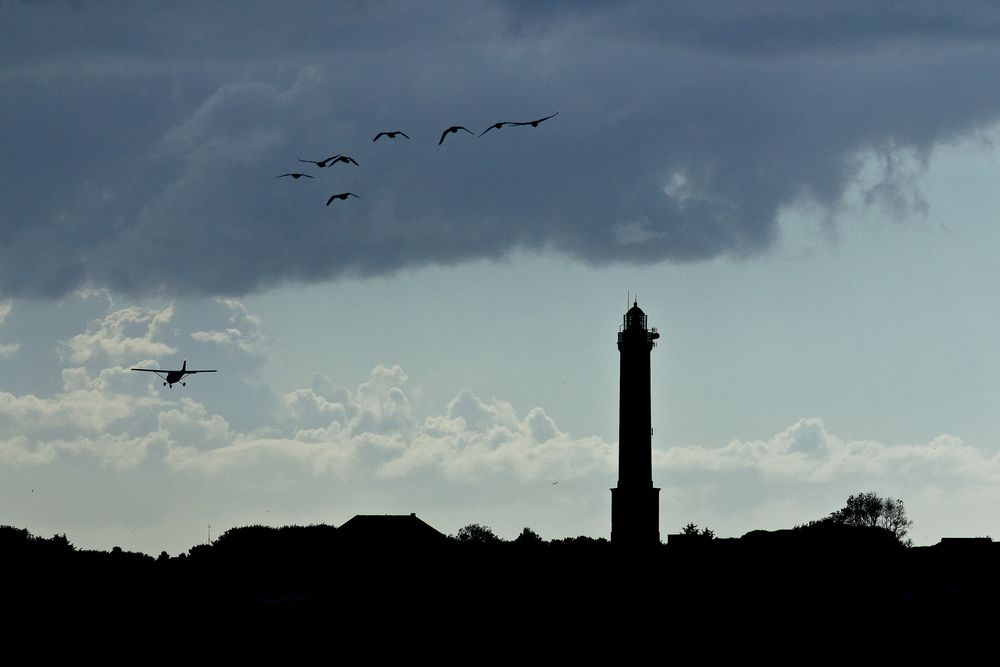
[{"x": 173, "y": 377}]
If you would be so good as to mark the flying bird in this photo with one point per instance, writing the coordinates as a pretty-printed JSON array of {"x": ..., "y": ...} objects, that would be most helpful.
[
  {"x": 453, "y": 128},
  {"x": 344, "y": 159},
  {"x": 295, "y": 176},
  {"x": 391, "y": 135},
  {"x": 534, "y": 123},
  {"x": 321, "y": 163},
  {"x": 342, "y": 195},
  {"x": 497, "y": 126}
]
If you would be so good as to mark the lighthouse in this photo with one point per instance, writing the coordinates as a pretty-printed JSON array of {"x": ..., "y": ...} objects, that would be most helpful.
[{"x": 635, "y": 504}]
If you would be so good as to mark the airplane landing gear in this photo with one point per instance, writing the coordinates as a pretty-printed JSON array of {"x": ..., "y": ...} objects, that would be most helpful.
[
  {"x": 184, "y": 384},
  {"x": 164, "y": 384}
]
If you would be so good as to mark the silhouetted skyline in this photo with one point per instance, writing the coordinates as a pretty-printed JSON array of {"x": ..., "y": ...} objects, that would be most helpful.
[{"x": 802, "y": 196}]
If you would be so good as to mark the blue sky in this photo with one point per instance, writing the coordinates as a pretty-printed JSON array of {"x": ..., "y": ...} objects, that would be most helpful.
[{"x": 802, "y": 198}]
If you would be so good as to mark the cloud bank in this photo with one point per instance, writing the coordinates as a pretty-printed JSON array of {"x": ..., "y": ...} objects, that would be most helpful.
[
  {"x": 142, "y": 142},
  {"x": 323, "y": 447}
]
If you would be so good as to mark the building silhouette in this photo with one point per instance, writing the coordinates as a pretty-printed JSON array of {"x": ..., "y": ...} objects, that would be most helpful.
[
  {"x": 399, "y": 531},
  {"x": 635, "y": 504}
]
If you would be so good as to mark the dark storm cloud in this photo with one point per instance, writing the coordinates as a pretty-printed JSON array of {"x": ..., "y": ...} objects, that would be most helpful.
[{"x": 141, "y": 143}]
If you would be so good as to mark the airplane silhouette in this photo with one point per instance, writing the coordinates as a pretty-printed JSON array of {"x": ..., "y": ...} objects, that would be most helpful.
[
  {"x": 453, "y": 128},
  {"x": 173, "y": 377},
  {"x": 295, "y": 176},
  {"x": 342, "y": 195},
  {"x": 391, "y": 135},
  {"x": 534, "y": 123}
]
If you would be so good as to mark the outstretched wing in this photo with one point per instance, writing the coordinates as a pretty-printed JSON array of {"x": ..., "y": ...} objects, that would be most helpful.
[
  {"x": 202, "y": 371},
  {"x": 536, "y": 122},
  {"x": 158, "y": 371},
  {"x": 497, "y": 126}
]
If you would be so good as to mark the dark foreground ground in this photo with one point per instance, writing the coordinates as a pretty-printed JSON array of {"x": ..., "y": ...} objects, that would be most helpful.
[{"x": 821, "y": 591}]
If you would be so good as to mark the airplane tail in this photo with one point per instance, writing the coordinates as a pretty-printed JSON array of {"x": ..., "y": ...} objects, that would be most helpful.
[{"x": 184, "y": 366}]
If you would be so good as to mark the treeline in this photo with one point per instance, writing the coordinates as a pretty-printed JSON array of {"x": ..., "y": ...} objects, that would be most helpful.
[{"x": 324, "y": 572}]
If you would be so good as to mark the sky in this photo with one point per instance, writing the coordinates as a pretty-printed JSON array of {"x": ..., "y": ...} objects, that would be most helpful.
[{"x": 802, "y": 197}]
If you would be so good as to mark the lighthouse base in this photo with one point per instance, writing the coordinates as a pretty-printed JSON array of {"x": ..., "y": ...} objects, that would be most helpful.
[{"x": 635, "y": 516}]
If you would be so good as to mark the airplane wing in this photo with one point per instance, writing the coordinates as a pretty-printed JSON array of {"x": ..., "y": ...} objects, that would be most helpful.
[
  {"x": 159, "y": 373},
  {"x": 203, "y": 371}
]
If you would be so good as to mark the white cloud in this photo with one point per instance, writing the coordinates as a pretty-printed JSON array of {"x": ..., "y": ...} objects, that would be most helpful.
[
  {"x": 20, "y": 450},
  {"x": 244, "y": 333},
  {"x": 124, "y": 336},
  {"x": 190, "y": 422},
  {"x": 373, "y": 430},
  {"x": 806, "y": 451},
  {"x": 477, "y": 437},
  {"x": 76, "y": 410},
  {"x": 112, "y": 415},
  {"x": 311, "y": 410},
  {"x": 7, "y": 350},
  {"x": 121, "y": 452}
]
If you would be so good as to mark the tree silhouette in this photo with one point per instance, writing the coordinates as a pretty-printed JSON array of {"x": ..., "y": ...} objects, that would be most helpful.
[
  {"x": 871, "y": 511},
  {"x": 692, "y": 529},
  {"x": 528, "y": 537},
  {"x": 476, "y": 533}
]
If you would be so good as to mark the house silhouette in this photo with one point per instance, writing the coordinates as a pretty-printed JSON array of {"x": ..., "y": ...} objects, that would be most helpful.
[{"x": 399, "y": 531}]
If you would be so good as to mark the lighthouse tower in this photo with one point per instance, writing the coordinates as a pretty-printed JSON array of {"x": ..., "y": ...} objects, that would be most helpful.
[{"x": 635, "y": 504}]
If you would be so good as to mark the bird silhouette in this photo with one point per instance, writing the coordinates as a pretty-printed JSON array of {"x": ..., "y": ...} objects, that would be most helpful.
[
  {"x": 295, "y": 176},
  {"x": 391, "y": 135},
  {"x": 344, "y": 159},
  {"x": 321, "y": 163},
  {"x": 534, "y": 123},
  {"x": 454, "y": 128},
  {"x": 342, "y": 195},
  {"x": 497, "y": 126}
]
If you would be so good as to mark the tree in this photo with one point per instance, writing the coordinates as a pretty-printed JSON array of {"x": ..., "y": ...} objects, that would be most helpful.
[
  {"x": 528, "y": 536},
  {"x": 692, "y": 529},
  {"x": 475, "y": 533},
  {"x": 871, "y": 511}
]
